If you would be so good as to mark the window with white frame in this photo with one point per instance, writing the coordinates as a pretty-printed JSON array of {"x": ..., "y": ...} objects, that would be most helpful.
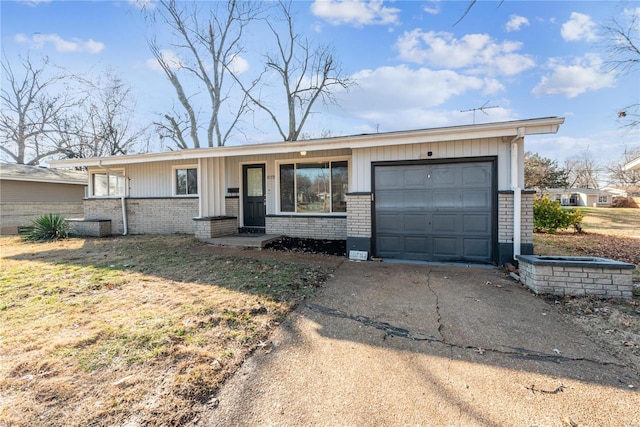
[
  {"x": 185, "y": 182},
  {"x": 108, "y": 184},
  {"x": 314, "y": 187},
  {"x": 602, "y": 198}
]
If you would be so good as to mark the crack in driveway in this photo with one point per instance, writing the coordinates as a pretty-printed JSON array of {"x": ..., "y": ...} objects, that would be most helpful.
[{"x": 396, "y": 331}]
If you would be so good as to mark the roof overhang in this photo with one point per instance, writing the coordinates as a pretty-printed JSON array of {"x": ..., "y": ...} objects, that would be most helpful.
[
  {"x": 540, "y": 126},
  {"x": 633, "y": 164},
  {"x": 48, "y": 181}
]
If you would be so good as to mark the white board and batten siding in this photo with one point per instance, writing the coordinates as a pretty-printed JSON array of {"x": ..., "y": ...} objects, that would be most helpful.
[
  {"x": 153, "y": 179},
  {"x": 362, "y": 158}
]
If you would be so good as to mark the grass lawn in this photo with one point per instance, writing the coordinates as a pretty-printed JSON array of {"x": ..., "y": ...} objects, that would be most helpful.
[{"x": 134, "y": 330}]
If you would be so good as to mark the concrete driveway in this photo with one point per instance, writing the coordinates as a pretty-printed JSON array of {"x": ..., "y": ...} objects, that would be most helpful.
[{"x": 403, "y": 344}]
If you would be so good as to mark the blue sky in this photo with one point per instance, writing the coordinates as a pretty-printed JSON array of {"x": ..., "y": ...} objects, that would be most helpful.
[{"x": 414, "y": 68}]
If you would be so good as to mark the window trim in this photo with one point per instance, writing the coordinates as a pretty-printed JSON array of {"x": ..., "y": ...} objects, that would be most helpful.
[
  {"x": 174, "y": 181},
  {"x": 294, "y": 161},
  {"x": 120, "y": 172},
  {"x": 603, "y": 196}
]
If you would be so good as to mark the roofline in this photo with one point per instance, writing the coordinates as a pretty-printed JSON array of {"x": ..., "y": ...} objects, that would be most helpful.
[
  {"x": 52, "y": 181},
  {"x": 633, "y": 164},
  {"x": 539, "y": 126}
]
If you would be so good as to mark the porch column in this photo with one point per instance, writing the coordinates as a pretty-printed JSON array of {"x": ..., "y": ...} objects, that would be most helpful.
[{"x": 212, "y": 187}]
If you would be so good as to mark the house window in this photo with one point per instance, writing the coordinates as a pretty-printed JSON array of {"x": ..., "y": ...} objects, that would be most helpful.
[
  {"x": 314, "y": 188},
  {"x": 603, "y": 199},
  {"x": 186, "y": 181},
  {"x": 105, "y": 184}
]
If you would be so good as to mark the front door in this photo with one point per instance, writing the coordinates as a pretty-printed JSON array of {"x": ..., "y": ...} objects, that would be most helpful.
[{"x": 253, "y": 195}]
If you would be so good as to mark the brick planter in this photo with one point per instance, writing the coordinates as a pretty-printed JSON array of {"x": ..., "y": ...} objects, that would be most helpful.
[{"x": 576, "y": 276}]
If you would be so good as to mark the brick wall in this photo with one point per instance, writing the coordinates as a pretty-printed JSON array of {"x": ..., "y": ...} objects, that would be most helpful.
[
  {"x": 146, "y": 216},
  {"x": 577, "y": 281},
  {"x": 232, "y": 206},
  {"x": 92, "y": 228},
  {"x": 310, "y": 227},
  {"x": 18, "y": 214},
  {"x": 206, "y": 228},
  {"x": 359, "y": 215},
  {"x": 505, "y": 218}
]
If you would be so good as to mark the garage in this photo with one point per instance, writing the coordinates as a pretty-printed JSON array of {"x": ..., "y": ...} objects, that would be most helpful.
[{"x": 435, "y": 211}]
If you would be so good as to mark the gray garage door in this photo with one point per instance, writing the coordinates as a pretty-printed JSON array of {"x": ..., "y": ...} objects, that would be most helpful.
[{"x": 434, "y": 212}]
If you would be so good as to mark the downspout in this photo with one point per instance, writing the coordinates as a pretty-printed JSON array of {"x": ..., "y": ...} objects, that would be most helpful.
[
  {"x": 125, "y": 226},
  {"x": 517, "y": 193}
]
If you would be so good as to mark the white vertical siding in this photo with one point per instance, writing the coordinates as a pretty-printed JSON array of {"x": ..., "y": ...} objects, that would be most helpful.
[{"x": 360, "y": 178}]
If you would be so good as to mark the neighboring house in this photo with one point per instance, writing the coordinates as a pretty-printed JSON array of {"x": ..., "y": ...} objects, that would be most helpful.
[
  {"x": 444, "y": 194},
  {"x": 580, "y": 196},
  {"x": 27, "y": 192}
]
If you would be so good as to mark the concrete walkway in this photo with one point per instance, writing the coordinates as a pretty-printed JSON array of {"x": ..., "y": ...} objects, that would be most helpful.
[{"x": 391, "y": 344}]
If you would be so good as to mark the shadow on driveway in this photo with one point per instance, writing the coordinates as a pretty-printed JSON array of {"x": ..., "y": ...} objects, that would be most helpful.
[{"x": 393, "y": 344}]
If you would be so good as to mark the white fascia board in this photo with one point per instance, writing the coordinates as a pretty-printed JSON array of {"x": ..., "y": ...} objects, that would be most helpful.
[
  {"x": 633, "y": 164},
  {"x": 487, "y": 130}
]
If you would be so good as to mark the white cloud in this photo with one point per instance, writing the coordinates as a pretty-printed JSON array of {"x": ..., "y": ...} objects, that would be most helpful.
[
  {"x": 571, "y": 80},
  {"x": 433, "y": 8},
  {"x": 34, "y": 3},
  {"x": 143, "y": 4},
  {"x": 39, "y": 41},
  {"x": 476, "y": 51},
  {"x": 169, "y": 57},
  {"x": 239, "y": 65},
  {"x": 402, "y": 86},
  {"x": 355, "y": 12},
  {"x": 579, "y": 27},
  {"x": 515, "y": 22}
]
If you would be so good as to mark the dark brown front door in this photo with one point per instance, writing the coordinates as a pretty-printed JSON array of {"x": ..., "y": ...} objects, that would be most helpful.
[{"x": 253, "y": 198}]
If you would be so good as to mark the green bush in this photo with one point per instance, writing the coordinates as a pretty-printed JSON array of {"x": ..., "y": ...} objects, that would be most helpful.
[
  {"x": 48, "y": 227},
  {"x": 549, "y": 216}
]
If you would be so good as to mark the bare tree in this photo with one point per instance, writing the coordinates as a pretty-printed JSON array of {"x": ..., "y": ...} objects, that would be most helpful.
[
  {"x": 583, "y": 171},
  {"x": 618, "y": 176},
  {"x": 622, "y": 44},
  {"x": 307, "y": 74},
  {"x": 209, "y": 50},
  {"x": 102, "y": 125},
  {"x": 29, "y": 110}
]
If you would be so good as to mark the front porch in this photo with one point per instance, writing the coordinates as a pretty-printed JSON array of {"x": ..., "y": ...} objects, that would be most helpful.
[{"x": 244, "y": 240}]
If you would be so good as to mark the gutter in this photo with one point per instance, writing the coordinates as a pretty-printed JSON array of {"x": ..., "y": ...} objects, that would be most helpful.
[
  {"x": 517, "y": 193},
  {"x": 125, "y": 225}
]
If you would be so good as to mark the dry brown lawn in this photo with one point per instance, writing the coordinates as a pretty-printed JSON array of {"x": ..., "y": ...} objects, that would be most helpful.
[
  {"x": 609, "y": 233},
  {"x": 136, "y": 330}
]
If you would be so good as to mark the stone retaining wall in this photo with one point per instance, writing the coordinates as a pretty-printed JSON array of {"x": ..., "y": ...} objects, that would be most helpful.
[{"x": 576, "y": 276}]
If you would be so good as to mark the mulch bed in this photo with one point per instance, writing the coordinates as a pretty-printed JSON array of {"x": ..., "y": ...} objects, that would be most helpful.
[{"x": 314, "y": 246}]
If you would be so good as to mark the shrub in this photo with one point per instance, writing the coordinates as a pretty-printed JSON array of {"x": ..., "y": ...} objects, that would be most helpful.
[
  {"x": 549, "y": 216},
  {"x": 48, "y": 227}
]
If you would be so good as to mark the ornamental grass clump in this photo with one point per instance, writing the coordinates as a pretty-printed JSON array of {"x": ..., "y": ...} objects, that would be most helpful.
[{"x": 48, "y": 227}]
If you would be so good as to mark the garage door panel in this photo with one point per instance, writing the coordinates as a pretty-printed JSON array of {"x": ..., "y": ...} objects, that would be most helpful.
[
  {"x": 389, "y": 200},
  {"x": 416, "y": 223},
  {"x": 415, "y": 199},
  {"x": 389, "y": 223},
  {"x": 435, "y": 212},
  {"x": 476, "y": 248},
  {"x": 445, "y": 247},
  {"x": 444, "y": 223},
  {"x": 414, "y": 178},
  {"x": 476, "y": 176},
  {"x": 478, "y": 199},
  {"x": 446, "y": 199},
  {"x": 476, "y": 223},
  {"x": 416, "y": 245}
]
